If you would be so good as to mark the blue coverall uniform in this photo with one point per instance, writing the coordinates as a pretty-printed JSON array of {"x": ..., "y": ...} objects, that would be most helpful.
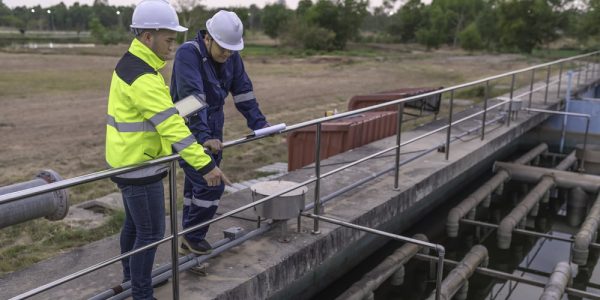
[{"x": 195, "y": 73}]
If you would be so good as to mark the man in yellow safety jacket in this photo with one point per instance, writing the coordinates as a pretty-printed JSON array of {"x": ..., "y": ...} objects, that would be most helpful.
[{"x": 143, "y": 124}]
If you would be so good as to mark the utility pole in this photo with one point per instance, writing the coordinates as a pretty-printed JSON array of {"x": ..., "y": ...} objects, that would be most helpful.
[{"x": 51, "y": 20}]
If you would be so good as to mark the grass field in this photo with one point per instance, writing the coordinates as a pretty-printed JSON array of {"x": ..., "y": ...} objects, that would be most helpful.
[{"x": 54, "y": 106}]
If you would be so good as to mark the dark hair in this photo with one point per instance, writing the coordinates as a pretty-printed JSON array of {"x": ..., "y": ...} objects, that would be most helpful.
[{"x": 137, "y": 32}]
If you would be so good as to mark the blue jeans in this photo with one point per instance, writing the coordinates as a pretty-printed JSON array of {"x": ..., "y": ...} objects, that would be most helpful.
[{"x": 144, "y": 224}]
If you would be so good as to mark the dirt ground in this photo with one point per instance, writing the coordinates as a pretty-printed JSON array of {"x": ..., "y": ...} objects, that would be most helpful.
[{"x": 53, "y": 106}]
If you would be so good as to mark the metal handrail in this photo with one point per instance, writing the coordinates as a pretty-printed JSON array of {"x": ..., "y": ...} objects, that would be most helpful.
[
  {"x": 441, "y": 251},
  {"x": 7, "y": 198}
]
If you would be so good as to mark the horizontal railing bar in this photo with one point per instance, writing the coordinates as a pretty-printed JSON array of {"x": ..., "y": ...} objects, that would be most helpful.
[
  {"x": 535, "y": 90},
  {"x": 559, "y": 112},
  {"x": 436, "y": 247},
  {"x": 453, "y": 123}
]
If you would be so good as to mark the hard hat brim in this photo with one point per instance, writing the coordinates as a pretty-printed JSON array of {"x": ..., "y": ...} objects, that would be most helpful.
[
  {"x": 180, "y": 29},
  {"x": 177, "y": 28},
  {"x": 237, "y": 47}
]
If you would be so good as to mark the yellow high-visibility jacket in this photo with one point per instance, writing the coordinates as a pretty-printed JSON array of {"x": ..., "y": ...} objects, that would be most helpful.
[{"x": 143, "y": 123}]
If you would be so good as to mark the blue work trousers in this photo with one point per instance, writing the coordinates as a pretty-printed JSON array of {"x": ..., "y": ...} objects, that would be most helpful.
[
  {"x": 200, "y": 201},
  {"x": 144, "y": 224}
]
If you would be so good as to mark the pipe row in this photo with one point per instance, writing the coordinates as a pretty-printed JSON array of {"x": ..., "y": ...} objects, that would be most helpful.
[
  {"x": 587, "y": 233},
  {"x": 393, "y": 265},
  {"x": 478, "y": 256},
  {"x": 518, "y": 214},
  {"x": 484, "y": 192},
  {"x": 563, "y": 179},
  {"x": 514, "y": 277},
  {"x": 559, "y": 280}
]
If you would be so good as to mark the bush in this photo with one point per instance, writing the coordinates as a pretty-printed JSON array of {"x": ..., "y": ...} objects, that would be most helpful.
[
  {"x": 300, "y": 34},
  {"x": 470, "y": 38},
  {"x": 107, "y": 36},
  {"x": 428, "y": 37}
]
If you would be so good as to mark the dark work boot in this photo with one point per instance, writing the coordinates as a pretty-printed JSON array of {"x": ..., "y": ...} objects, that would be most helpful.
[{"x": 199, "y": 248}]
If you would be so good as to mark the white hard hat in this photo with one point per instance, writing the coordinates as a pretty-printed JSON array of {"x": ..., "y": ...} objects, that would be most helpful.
[
  {"x": 226, "y": 29},
  {"x": 156, "y": 14}
]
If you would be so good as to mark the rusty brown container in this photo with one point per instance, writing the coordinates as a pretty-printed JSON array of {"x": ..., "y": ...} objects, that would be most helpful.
[
  {"x": 339, "y": 136},
  {"x": 431, "y": 103}
]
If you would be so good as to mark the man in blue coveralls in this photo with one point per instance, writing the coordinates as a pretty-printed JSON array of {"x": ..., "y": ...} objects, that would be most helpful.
[{"x": 209, "y": 68}]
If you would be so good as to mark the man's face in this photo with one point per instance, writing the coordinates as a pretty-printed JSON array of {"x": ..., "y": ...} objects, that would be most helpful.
[
  {"x": 218, "y": 53},
  {"x": 162, "y": 43}
]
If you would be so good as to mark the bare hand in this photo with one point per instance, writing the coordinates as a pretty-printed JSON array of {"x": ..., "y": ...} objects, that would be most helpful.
[
  {"x": 214, "y": 177},
  {"x": 214, "y": 145}
]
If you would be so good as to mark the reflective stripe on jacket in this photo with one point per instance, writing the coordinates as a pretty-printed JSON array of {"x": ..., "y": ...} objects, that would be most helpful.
[
  {"x": 142, "y": 122},
  {"x": 195, "y": 73}
]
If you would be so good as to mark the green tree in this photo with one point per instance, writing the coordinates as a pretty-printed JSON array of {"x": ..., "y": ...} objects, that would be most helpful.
[
  {"x": 80, "y": 14},
  {"x": 432, "y": 35},
  {"x": 187, "y": 15},
  {"x": 303, "y": 7},
  {"x": 59, "y": 17},
  {"x": 6, "y": 17},
  {"x": 274, "y": 18},
  {"x": 470, "y": 39},
  {"x": 588, "y": 23},
  {"x": 298, "y": 33},
  {"x": 98, "y": 31},
  {"x": 254, "y": 16},
  {"x": 487, "y": 26},
  {"x": 526, "y": 24},
  {"x": 343, "y": 17},
  {"x": 407, "y": 20}
]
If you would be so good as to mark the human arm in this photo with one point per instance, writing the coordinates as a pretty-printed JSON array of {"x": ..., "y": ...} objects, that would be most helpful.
[{"x": 243, "y": 96}]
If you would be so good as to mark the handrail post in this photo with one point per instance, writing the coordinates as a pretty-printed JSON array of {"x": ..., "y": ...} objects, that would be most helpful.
[
  {"x": 486, "y": 95},
  {"x": 547, "y": 85},
  {"x": 592, "y": 68},
  {"x": 398, "y": 141},
  {"x": 578, "y": 74},
  {"x": 449, "y": 125},
  {"x": 317, "y": 207},
  {"x": 440, "y": 272},
  {"x": 559, "y": 80},
  {"x": 587, "y": 129},
  {"x": 174, "y": 229},
  {"x": 587, "y": 69},
  {"x": 531, "y": 87},
  {"x": 510, "y": 102},
  {"x": 595, "y": 60}
]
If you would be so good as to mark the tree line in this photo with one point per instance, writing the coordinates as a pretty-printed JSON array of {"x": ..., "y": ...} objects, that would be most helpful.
[{"x": 495, "y": 25}]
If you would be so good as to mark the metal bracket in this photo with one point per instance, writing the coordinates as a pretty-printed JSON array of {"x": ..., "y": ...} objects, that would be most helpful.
[{"x": 234, "y": 233}]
